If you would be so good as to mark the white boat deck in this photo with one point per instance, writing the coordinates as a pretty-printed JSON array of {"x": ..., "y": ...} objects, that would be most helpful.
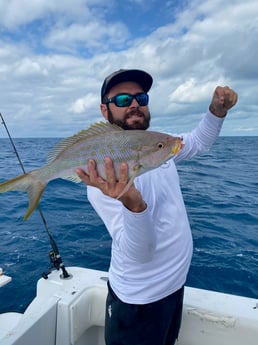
[{"x": 71, "y": 312}]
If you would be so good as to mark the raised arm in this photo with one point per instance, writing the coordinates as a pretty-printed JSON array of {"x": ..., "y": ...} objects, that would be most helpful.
[{"x": 201, "y": 138}]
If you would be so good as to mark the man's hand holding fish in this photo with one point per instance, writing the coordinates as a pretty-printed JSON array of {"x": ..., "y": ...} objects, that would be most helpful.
[{"x": 114, "y": 186}]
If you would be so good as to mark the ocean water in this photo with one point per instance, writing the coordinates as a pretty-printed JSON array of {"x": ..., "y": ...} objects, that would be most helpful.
[{"x": 220, "y": 192}]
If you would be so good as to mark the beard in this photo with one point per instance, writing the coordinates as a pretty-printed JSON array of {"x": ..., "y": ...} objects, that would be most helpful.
[{"x": 141, "y": 121}]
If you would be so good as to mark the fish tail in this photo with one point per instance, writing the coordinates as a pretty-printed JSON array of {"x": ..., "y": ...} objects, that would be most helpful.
[{"x": 26, "y": 183}]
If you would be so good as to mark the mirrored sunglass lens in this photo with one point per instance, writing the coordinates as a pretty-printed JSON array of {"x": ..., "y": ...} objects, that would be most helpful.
[
  {"x": 123, "y": 100},
  {"x": 142, "y": 99}
]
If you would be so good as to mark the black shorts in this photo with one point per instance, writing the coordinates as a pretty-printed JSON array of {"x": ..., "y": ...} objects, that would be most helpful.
[{"x": 156, "y": 323}]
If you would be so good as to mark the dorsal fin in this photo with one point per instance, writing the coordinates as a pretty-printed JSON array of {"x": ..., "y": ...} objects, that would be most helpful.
[{"x": 95, "y": 129}]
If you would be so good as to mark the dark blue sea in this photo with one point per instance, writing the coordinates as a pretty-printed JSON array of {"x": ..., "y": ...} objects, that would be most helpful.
[{"x": 220, "y": 189}]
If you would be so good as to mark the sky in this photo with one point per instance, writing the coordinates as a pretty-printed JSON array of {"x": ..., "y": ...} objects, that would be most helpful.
[{"x": 54, "y": 56}]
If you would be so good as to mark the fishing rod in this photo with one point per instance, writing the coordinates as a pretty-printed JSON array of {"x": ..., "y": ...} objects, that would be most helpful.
[{"x": 54, "y": 255}]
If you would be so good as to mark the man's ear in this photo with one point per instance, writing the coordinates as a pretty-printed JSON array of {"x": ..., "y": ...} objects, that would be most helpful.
[{"x": 104, "y": 111}]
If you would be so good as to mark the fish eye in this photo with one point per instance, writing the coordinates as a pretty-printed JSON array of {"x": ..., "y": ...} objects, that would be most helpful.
[{"x": 160, "y": 145}]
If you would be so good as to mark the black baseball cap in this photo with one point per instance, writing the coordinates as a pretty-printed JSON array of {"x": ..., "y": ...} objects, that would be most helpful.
[{"x": 140, "y": 77}]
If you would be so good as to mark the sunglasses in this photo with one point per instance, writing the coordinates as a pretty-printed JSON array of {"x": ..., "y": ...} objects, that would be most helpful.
[{"x": 126, "y": 99}]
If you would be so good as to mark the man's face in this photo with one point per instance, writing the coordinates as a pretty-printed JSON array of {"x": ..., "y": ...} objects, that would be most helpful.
[{"x": 132, "y": 117}]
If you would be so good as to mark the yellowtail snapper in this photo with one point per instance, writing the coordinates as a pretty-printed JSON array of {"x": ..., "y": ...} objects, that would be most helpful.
[{"x": 141, "y": 150}]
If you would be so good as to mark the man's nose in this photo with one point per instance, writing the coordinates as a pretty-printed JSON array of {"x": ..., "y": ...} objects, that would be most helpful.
[{"x": 134, "y": 103}]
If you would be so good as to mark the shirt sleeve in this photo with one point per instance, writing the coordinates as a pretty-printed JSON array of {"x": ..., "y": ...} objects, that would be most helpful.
[
  {"x": 201, "y": 138},
  {"x": 132, "y": 233}
]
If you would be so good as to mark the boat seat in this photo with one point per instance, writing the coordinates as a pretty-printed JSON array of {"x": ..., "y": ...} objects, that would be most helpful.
[{"x": 87, "y": 311}]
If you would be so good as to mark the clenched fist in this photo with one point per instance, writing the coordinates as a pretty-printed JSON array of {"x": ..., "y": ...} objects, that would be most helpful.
[{"x": 223, "y": 99}]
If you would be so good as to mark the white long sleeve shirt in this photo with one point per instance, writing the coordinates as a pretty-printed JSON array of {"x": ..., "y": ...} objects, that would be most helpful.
[{"x": 152, "y": 250}]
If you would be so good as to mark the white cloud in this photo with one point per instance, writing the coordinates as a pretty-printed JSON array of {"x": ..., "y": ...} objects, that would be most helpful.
[
  {"x": 191, "y": 91},
  {"x": 54, "y": 56},
  {"x": 88, "y": 37},
  {"x": 83, "y": 104},
  {"x": 14, "y": 13},
  {"x": 28, "y": 67}
]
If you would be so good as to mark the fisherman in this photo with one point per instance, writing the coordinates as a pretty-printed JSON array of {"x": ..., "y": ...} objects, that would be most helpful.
[{"x": 151, "y": 237}]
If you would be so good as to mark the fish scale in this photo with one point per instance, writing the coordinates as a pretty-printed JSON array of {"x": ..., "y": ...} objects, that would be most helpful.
[{"x": 141, "y": 150}]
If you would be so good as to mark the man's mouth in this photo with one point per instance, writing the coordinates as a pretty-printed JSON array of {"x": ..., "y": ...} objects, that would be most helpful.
[{"x": 134, "y": 114}]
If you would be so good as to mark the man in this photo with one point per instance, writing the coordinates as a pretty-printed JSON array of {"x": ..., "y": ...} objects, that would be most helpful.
[{"x": 151, "y": 237}]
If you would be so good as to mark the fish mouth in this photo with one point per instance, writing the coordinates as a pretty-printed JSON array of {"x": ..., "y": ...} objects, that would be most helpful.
[{"x": 178, "y": 146}]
